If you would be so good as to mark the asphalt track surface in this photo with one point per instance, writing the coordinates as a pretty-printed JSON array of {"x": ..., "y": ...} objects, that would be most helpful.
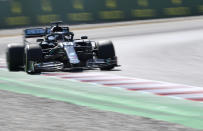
[{"x": 168, "y": 52}]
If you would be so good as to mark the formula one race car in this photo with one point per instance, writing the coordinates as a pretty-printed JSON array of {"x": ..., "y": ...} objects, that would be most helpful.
[{"x": 55, "y": 49}]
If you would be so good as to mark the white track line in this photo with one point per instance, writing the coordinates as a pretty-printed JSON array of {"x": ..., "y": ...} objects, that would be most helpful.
[
  {"x": 189, "y": 95},
  {"x": 150, "y": 85},
  {"x": 173, "y": 90},
  {"x": 92, "y": 78}
]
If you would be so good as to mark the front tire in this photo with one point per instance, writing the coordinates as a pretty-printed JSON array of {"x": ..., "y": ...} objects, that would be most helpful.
[{"x": 106, "y": 51}]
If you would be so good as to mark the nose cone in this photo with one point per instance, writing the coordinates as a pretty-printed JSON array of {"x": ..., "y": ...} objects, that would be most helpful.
[{"x": 71, "y": 53}]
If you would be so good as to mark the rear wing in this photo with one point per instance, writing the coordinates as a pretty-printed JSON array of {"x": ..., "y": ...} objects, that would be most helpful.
[
  {"x": 34, "y": 32},
  {"x": 39, "y": 32}
]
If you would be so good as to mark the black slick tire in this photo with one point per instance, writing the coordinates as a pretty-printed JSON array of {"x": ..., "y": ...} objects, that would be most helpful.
[
  {"x": 14, "y": 57},
  {"x": 106, "y": 51}
]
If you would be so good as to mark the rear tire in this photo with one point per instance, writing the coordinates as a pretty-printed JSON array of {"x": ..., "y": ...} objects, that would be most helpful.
[
  {"x": 14, "y": 57},
  {"x": 106, "y": 51},
  {"x": 33, "y": 54}
]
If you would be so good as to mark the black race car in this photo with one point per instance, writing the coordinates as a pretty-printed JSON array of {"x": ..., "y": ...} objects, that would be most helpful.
[{"x": 55, "y": 49}]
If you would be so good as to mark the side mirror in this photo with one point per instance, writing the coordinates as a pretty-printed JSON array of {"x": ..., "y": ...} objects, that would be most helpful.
[
  {"x": 84, "y": 37},
  {"x": 40, "y": 40}
]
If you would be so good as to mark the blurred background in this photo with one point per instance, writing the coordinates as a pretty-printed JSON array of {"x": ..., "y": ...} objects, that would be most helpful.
[{"x": 21, "y": 13}]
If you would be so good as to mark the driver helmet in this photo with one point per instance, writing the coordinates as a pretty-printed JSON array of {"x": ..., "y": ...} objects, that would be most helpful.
[{"x": 56, "y": 29}]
